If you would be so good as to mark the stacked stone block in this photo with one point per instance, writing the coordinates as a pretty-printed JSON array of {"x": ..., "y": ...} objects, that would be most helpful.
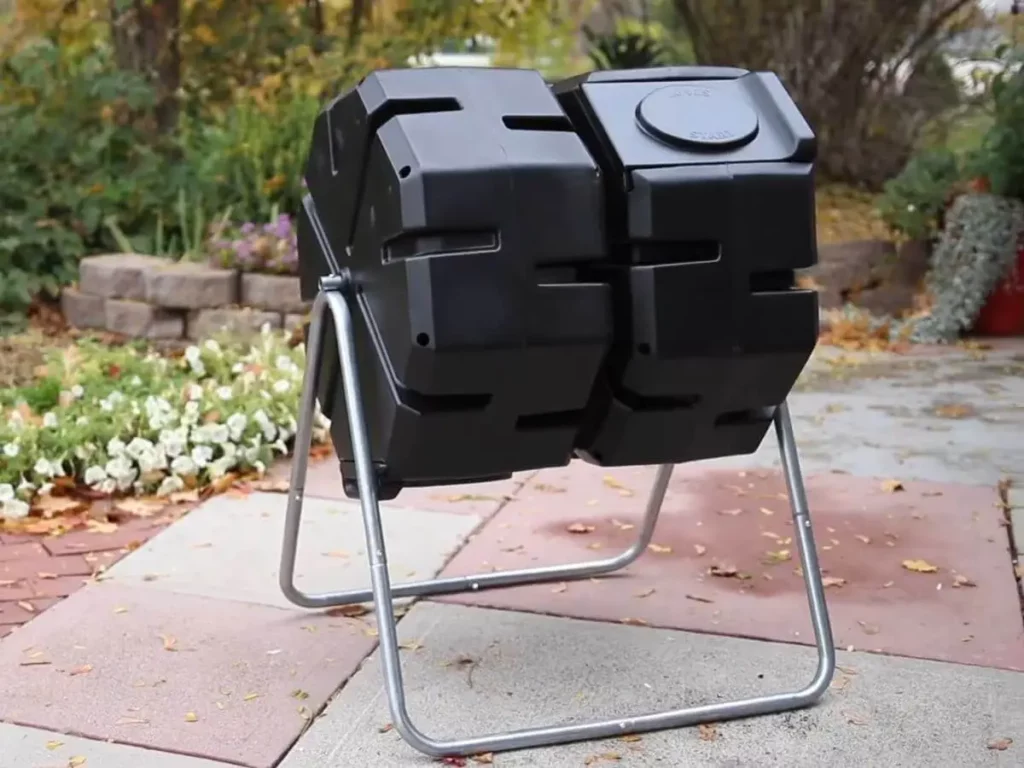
[{"x": 159, "y": 299}]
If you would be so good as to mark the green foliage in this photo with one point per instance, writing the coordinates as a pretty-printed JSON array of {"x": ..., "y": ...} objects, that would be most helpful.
[
  {"x": 75, "y": 151},
  {"x": 624, "y": 50},
  {"x": 1001, "y": 157},
  {"x": 249, "y": 157},
  {"x": 121, "y": 420},
  {"x": 913, "y": 202}
]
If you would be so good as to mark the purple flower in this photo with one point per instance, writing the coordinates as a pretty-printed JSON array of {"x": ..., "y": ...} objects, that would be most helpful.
[{"x": 248, "y": 228}]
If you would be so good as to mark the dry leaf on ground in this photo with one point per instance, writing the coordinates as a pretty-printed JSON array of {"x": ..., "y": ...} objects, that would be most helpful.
[
  {"x": 919, "y": 566},
  {"x": 349, "y": 611},
  {"x": 658, "y": 549},
  {"x": 699, "y": 599},
  {"x": 170, "y": 642},
  {"x": 892, "y": 486},
  {"x": 84, "y": 669},
  {"x": 559, "y": 588},
  {"x": 614, "y": 484},
  {"x": 963, "y": 581},
  {"x": 580, "y": 528},
  {"x": 1000, "y": 745},
  {"x": 700, "y": 549},
  {"x": 954, "y": 411},
  {"x": 730, "y": 512},
  {"x": 487, "y": 758},
  {"x": 52, "y": 506},
  {"x": 52, "y": 745},
  {"x": 727, "y": 572},
  {"x": 645, "y": 593},
  {"x": 833, "y": 581},
  {"x": 271, "y": 486},
  {"x": 610, "y": 757},
  {"x": 545, "y": 488},
  {"x": 635, "y": 622},
  {"x": 141, "y": 507},
  {"x": 707, "y": 731},
  {"x": 191, "y": 717}
]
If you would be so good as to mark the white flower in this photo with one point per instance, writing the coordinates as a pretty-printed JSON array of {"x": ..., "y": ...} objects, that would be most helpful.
[
  {"x": 236, "y": 425},
  {"x": 252, "y": 455},
  {"x": 265, "y": 329},
  {"x": 6, "y": 493},
  {"x": 81, "y": 421},
  {"x": 281, "y": 386},
  {"x": 45, "y": 489},
  {"x": 121, "y": 472},
  {"x": 44, "y": 468},
  {"x": 169, "y": 485},
  {"x": 16, "y": 420},
  {"x": 25, "y": 487},
  {"x": 202, "y": 455},
  {"x": 50, "y": 420},
  {"x": 284, "y": 363},
  {"x": 77, "y": 392},
  {"x": 260, "y": 467},
  {"x": 135, "y": 381},
  {"x": 265, "y": 395},
  {"x": 183, "y": 465},
  {"x": 11, "y": 450},
  {"x": 107, "y": 486},
  {"x": 225, "y": 393},
  {"x": 194, "y": 358},
  {"x": 191, "y": 414},
  {"x": 95, "y": 474},
  {"x": 15, "y": 509},
  {"x": 280, "y": 447},
  {"x": 195, "y": 392},
  {"x": 152, "y": 460},
  {"x": 173, "y": 441},
  {"x": 230, "y": 450},
  {"x": 212, "y": 346},
  {"x": 115, "y": 447},
  {"x": 237, "y": 368},
  {"x": 220, "y": 467},
  {"x": 111, "y": 401},
  {"x": 138, "y": 446}
]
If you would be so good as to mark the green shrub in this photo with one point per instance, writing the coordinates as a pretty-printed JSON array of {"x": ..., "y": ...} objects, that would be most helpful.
[
  {"x": 1001, "y": 158},
  {"x": 76, "y": 150},
  {"x": 913, "y": 202},
  {"x": 250, "y": 156}
]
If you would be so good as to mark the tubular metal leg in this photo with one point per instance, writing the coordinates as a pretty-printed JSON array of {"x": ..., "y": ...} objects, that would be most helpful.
[
  {"x": 383, "y": 593},
  {"x": 336, "y": 303}
]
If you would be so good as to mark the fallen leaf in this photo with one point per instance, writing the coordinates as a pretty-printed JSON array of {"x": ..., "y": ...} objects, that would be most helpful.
[
  {"x": 659, "y": 550},
  {"x": 856, "y": 720},
  {"x": 766, "y": 511},
  {"x": 471, "y": 497},
  {"x": 273, "y": 486},
  {"x": 730, "y": 512},
  {"x": 700, "y": 549},
  {"x": 954, "y": 411},
  {"x": 631, "y": 738},
  {"x": 191, "y": 717},
  {"x": 919, "y": 566},
  {"x": 635, "y": 622},
  {"x": 727, "y": 572},
  {"x": 98, "y": 526},
  {"x": 349, "y": 611},
  {"x": 963, "y": 581},
  {"x": 76, "y": 761},
  {"x": 84, "y": 669},
  {"x": 1000, "y": 745},
  {"x": 26, "y": 606},
  {"x": 892, "y": 486},
  {"x": 300, "y": 694},
  {"x": 385, "y": 728},
  {"x": 559, "y": 588},
  {"x": 604, "y": 756},
  {"x": 780, "y": 556},
  {"x": 611, "y": 482},
  {"x": 833, "y": 581},
  {"x": 184, "y": 497},
  {"x": 410, "y": 645},
  {"x": 862, "y": 538},
  {"x": 250, "y": 697},
  {"x": 43, "y": 575},
  {"x": 545, "y": 488},
  {"x": 595, "y": 545},
  {"x": 888, "y": 584},
  {"x": 52, "y": 745},
  {"x": 141, "y": 507},
  {"x": 869, "y": 629},
  {"x": 487, "y": 758},
  {"x": 645, "y": 593},
  {"x": 1019, "y": 570},
  {"x": 707, "y": 731},
  {"x": 698, "y": 599},
  {"x": 170, "y": 642},
  {"x": 580, "y": 528},
  {"x": 132, "y": 721},
  {"x": 623, "y": 526},
  {"x": 52, "y": 506}
]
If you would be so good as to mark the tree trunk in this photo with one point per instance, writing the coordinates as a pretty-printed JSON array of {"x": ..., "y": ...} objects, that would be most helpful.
[{"x": 146, "y": 37}]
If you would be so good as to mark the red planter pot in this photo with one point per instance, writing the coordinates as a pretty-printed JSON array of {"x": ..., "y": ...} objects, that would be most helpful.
[{"x": 1003, "y": 313}]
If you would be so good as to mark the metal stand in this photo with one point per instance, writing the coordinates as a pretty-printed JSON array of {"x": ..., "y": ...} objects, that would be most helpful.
[{"x": 334, "y": 296}]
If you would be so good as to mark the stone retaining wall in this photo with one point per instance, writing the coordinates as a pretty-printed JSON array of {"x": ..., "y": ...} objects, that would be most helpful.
[{"x": 159, "y": 299}]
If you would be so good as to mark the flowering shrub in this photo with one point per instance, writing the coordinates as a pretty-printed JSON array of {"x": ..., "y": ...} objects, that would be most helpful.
[
  {"x": 121, "y": 421},
  {"x": 270, "y": 248}
]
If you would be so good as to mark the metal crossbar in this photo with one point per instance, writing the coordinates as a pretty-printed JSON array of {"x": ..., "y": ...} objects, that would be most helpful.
[{"x": 335, "y": 297}]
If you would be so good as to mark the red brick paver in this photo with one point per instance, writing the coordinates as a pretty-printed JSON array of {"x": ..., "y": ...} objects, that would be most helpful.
[{"x": 36, "y": 572}]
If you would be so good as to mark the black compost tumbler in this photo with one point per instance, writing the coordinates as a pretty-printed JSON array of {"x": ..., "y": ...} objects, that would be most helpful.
[{"x": 603, "y": 268}]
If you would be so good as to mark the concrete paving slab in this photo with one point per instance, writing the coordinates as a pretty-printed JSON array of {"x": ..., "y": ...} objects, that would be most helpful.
[
  {"x": 1015, "y": 500},
  {"x": 324, "y": 481},
  {"x": 945, "y": 415},
  {"x": 738, "y": 523},
  {"x": 481, "y": 671},
  {"x": 223, "y": 680},
  {"x": 230, "y": 548},
  {"x": 22, "y": 747}
]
